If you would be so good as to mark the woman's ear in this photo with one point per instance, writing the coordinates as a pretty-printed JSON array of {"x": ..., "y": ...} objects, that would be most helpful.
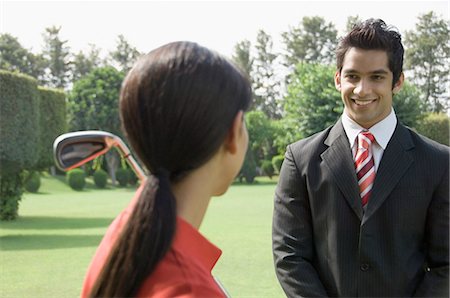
[{"x": 234, "y": 133}]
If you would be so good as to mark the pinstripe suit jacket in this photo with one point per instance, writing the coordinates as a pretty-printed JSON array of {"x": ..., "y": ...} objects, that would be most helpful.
[{"x": 325, "y": 245}]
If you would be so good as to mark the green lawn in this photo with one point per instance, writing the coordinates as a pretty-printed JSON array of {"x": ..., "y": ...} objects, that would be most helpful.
[{"x": 45, "y": 253}]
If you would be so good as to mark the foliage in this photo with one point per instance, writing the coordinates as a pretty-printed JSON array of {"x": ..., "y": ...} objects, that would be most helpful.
[
  {"x": 57, "y": 54},
  {"x": 312, "y": 41},
  {"x": 267, "y": 168},
  {"x": 408, "y": 106},
  {"x": 11, "y": 189},
  {"x": 312, "y": 102},
  {"x": 33, "y": 182},
  {"x": 261, "y": 135},
  {"x": 122, "y": 177},
  {"x": 83, "y": 63},
  {"x": 94, "y": 101},
  {"x": 427, "y": 55},
  {"x": 14, "y": 57},
  {"x": 265, "y": 84},
  {"x": 100, "y": 178},
  {"x": 351, "y": 22},
  {"x": 248, "y": 171},
  {"x": 19, "y": 119},
  {"x": 125, "y": 55},
  {"x": 436, "y": 126},
  {"x": 277, "y": 161},
  {"x": 132, "y": 178},
  {"x": 52, "y": 123},
  {"x": 76, "y": 179},
  {"x": 242, "y": 57}
]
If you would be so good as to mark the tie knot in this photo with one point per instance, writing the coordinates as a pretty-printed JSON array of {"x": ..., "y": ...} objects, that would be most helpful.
[{"x": 365, "y": 139}]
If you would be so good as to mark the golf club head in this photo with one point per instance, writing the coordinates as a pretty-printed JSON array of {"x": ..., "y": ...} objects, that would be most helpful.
[{"x": 74, "y": 149}]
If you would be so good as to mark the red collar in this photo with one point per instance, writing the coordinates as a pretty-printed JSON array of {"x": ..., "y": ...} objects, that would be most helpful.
[{"x": 189, "y": 241}]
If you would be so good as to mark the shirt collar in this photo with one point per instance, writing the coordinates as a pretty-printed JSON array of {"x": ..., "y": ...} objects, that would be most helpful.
[
  {"x": 382, "y": 131},
  {"x": 188, "y": 241}
]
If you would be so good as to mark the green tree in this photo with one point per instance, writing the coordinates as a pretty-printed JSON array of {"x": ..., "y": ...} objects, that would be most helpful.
[
  {"x": 242, "y": 57},
  {"x": 125, "y": 55},
  {"x": 93, "y": 104},
  {"x": 265, "y": 84},
  {"x": 260, "y": 135},
  {"x": 14, "y": 57},
  {"x": 427, "y": 55},
  {"x": 312, "y": 41},
  {"x": 84, "y": 63},
  {"x": 352, "y": 21},
  {"x": 312, "y": 102},
  {"x": 57, "y": 55},
  {"x": 408, "y": 105}
]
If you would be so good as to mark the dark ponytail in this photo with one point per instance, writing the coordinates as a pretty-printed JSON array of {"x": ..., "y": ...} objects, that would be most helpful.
[
  {"x": 144, "y": 241},
  {"x": 177, "y": 105}
]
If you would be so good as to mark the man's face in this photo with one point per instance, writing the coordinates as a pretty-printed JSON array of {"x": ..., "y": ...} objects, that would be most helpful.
[{"x": 365, "y": 83}]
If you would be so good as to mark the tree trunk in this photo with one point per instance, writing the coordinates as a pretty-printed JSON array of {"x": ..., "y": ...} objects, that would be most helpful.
[{"x": 112, "y": 160}]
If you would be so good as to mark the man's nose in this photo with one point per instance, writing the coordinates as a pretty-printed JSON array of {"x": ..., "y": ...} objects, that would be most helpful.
[{"x": 362, "y": 88}]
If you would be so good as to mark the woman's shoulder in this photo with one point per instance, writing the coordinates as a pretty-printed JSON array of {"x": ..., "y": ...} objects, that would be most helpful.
[{"x": 177, "y": 275}]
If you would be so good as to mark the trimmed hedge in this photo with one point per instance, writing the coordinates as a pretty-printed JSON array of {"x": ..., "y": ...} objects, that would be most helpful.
[
  {"x": 19, "y": 120},
  {"x": 33, "y": 182},
  {"x": 122, "y": 177},
  {"x": 277, "y": 161},
  {"x": 132, "y": 178},
  {"x": 11, "y": 189},
  {"x": 436, "y": 126},
  {"x": 267, "y": 168},
  {"x": 52, "y": 123},
  {"x": 76, "y": 179},
  {"x": 100, "y": 178}
]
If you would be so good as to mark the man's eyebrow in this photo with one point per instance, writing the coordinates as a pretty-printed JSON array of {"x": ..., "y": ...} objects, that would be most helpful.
[{"x": 378, "y": 71}]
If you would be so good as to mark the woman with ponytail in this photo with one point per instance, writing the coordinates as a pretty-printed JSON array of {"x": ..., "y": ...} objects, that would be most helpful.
[{"x": 182, "y": 110}]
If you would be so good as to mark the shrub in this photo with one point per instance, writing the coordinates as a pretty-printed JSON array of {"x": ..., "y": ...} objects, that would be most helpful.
[
  {"x": 267, "y": 168},
  {"x": 122, "y": 177},
  {"x": 277, "y": 161},
  {"x": 76, "y": 179},
  {"x": 100, "y": 178},
  {"x": 11, "y": 189},
  {"x": 33, "y": 182},
  {"x": 436, "y": 127},
  {"x": 132, "y": 178},
  {"x": 248, "y": 171}
]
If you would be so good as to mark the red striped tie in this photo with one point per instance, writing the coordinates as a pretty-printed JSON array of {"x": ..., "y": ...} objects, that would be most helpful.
[{"x": 365, "y": 166}]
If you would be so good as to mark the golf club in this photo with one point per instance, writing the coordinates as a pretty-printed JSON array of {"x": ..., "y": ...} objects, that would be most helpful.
[{"x": 74, "y": 149}]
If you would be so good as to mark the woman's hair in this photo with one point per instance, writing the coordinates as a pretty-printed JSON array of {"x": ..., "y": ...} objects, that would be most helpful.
[
  {"x": 374, "y": 35},
  {"x": 177, "y": 105}
]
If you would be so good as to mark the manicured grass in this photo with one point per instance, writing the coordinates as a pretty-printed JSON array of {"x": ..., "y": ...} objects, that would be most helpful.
[{"x": 45, "y": 253}]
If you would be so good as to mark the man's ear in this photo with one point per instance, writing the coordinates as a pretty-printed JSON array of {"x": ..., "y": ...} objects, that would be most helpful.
[
  {"x": 234, "y": 133},
  {"x": 398, "y": 86},
  {"x": 337, "y": 80}
]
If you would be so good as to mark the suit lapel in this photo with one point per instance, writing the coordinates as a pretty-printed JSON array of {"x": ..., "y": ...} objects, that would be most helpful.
[
  {"x": 339, "y": 160},
  {"x": 395, "y": 161}
]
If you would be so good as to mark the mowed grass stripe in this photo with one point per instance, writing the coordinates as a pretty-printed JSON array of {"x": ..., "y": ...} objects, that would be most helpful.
[{"x": 46, "y": 252}]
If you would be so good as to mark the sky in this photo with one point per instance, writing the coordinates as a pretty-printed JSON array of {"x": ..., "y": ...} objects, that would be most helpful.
[{"x": 218, "y": 25}]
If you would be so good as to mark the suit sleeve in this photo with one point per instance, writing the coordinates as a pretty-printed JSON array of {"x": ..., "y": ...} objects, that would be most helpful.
[
  {"x": 292, "y": 238},
  {"x": 436, "y": 280}
]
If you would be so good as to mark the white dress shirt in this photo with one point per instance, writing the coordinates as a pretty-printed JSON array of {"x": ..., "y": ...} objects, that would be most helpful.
[{"x": 382, "y": 131}]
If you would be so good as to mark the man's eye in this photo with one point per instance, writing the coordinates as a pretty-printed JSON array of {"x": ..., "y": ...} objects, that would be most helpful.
[{"x": 377, "y": 78}]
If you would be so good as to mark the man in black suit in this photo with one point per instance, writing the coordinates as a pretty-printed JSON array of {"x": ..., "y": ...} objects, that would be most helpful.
[{"x": 362, "y": 208}]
